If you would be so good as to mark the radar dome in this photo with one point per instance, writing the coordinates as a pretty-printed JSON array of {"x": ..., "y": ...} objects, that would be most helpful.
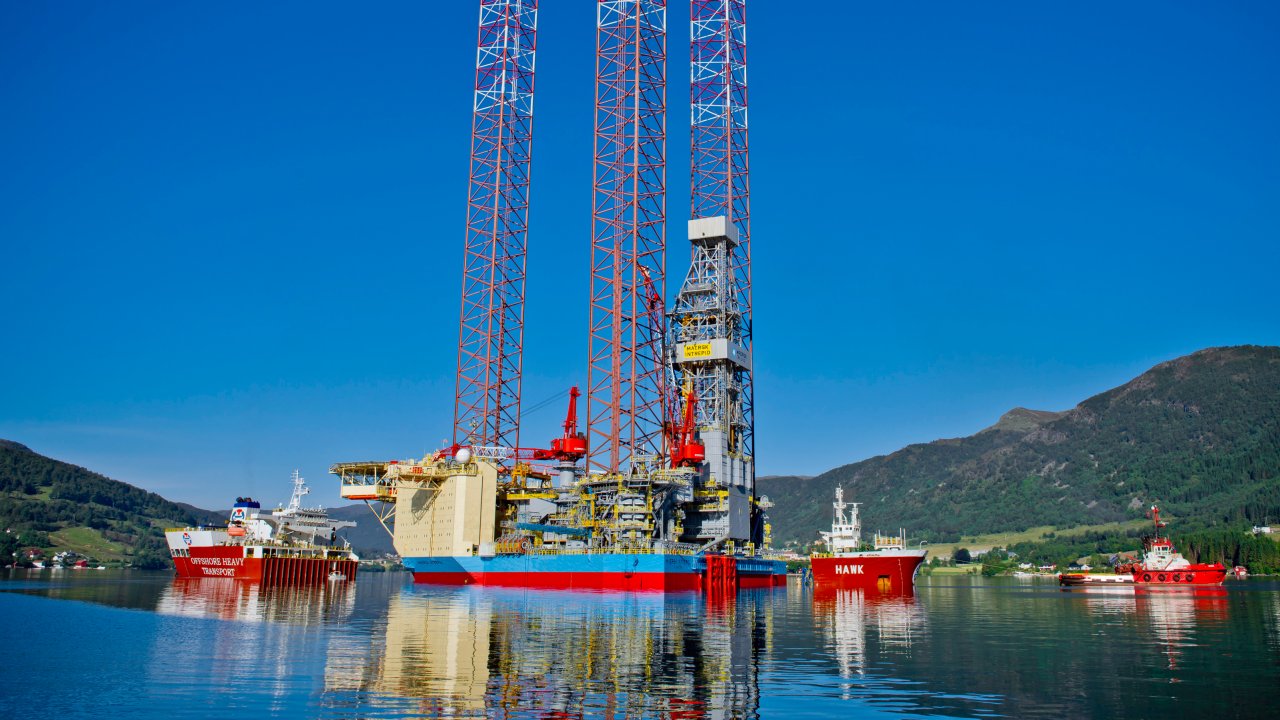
[{"x": 463, "y": 456}]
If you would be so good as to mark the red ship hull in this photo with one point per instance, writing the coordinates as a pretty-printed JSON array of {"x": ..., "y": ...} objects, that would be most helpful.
[
  {"x": 230, "y": 561},
  {"x": 1192, "y": 575},
  {"x": 888, "y": 572}
]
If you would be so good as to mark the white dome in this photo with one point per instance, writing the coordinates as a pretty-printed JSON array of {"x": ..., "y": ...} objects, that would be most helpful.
[{"x": 463, "y": 456}]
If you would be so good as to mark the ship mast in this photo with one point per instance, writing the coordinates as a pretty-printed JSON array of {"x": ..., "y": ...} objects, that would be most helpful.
[{"x": 299, "y": 489}]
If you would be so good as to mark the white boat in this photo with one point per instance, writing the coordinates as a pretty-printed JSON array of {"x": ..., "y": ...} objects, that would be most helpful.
[{"x": 1087, "y": 579}]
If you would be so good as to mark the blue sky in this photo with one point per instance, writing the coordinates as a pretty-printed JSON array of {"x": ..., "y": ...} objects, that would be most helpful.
[{"x": 231, "y": 233}]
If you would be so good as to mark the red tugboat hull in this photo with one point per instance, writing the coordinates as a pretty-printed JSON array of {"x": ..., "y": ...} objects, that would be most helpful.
[{"x": 1191, "y": 575}]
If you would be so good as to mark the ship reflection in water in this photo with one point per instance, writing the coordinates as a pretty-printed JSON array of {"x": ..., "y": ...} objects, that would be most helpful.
[
  {"x": 847, "y": 615},
  {"x": 488, "y": 652},
  {"x": 1172, "y": 617},
  {"x": 254, "y": 602}
]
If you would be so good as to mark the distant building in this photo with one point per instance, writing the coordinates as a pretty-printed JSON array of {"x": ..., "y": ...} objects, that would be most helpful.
[{"x": 1261, "y": 529}]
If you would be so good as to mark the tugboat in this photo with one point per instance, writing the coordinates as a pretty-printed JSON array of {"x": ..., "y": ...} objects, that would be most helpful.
[
  {"x": 889, "y": 567},
  {"x": 293, "y": 545},
  {"x": 1162, "y": 566}
]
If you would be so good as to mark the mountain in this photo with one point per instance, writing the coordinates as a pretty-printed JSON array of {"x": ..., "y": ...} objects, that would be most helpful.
[
  {"x": 1199, "y": 435},
  {"x": 367, "y": 537},
  {"x": 52, "y": 504}
]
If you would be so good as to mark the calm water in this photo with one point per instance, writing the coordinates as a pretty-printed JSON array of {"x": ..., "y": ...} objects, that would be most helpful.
[{"x": 144, "y": 645}]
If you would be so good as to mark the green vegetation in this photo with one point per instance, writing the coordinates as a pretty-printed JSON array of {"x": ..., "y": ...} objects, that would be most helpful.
[
  {"x": 997, "y": 561},
  {"x": 88, "y": 542},
  {"x": 53, "y": 505},
  {"x": 1200, "y": 436},
  {"x": 1258, "y": 553},
  {"x": 1033, "y": 536},
  {"x": 1230, "y": 547}
]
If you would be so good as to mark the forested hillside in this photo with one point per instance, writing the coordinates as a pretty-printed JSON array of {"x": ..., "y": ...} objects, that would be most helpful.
[
  {"x": 1200, "y": 435},
  {"x": 51, "y": 504}
]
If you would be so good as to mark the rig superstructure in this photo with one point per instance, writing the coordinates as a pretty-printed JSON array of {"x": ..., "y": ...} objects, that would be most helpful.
[{"x": 657, "y": 491}]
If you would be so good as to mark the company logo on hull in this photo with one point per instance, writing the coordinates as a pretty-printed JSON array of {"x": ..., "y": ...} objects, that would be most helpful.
[{"x": 848, "y": 569}]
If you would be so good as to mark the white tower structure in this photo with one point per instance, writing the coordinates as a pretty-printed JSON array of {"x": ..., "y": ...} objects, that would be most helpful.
[{"x": 709, "y": 353}]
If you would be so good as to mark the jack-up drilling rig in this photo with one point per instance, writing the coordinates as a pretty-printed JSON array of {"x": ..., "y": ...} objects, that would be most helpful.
[{"x": 665, "y": 496}]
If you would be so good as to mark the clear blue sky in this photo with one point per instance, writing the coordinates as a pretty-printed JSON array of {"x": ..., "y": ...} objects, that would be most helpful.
[{"x": 232, "y": 233}]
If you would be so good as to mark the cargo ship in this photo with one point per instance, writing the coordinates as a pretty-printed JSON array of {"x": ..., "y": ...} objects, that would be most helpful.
[
  {"x": 885, "y": 565},
  {"x": 1161, "y": 566},
  {"x": 292, "y": 545}
]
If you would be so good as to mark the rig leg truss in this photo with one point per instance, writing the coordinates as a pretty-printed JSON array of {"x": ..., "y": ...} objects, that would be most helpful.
[
  {"x": 624, "y": 402},
  {"x": 487, "y": 399}
]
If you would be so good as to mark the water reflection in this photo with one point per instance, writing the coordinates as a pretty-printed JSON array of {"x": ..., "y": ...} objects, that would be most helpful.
[
  {"x": 1175, "y": 616},
  {"x": 490, "y": 652},
  {"x": 846, "y": 615},
  {"x": 383, "y": 648},
  {"x": 1171, "y": 618},
  {"x": 226, "y": 599}
]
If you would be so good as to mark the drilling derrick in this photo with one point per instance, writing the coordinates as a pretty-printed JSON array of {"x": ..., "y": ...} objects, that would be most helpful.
[
  {"x": 624, "y": 397},
  {"x": 491, "y": 335},
  {"x": 710, "y": 320}
]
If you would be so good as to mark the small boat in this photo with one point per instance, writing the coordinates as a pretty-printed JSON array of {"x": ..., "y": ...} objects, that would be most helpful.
[
  {"x": 1161, "y": 565},
  {"x": 1240, "y": 572},
  {"x": 1087, "y": 579},
  {"x": 336, "y": 575}
]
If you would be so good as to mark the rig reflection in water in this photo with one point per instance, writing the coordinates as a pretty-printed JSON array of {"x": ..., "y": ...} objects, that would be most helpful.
[{"x": 490, "y": 652}]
